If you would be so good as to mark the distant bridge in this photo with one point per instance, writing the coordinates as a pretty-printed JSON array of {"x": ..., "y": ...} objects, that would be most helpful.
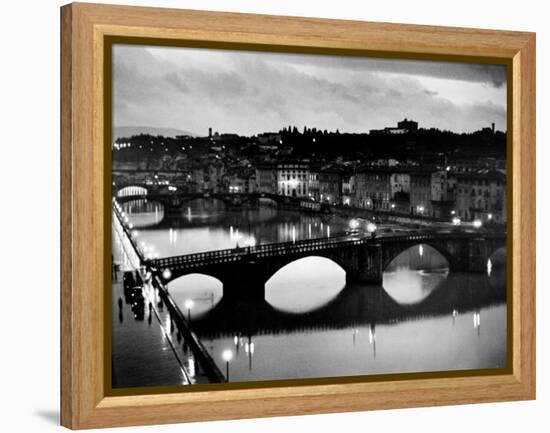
[{"x": 173, "y": 201}]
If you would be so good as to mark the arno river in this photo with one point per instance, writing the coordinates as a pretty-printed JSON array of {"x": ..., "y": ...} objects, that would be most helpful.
[{"x": 422, "y": 318}]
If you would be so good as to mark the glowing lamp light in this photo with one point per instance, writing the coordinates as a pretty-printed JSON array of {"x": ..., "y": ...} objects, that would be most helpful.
[
  {"x": 456, "y": 221},
  {"x": 354, "y": 224},
  {"x": 490, "y": 216},
  {"x": 227, "y": 355},
  {"x": 166, "y": 274},
  {"x": 189, "y": 304},
  {"x": 477, "y": 224},
  {"x": 371, "y": 227}
]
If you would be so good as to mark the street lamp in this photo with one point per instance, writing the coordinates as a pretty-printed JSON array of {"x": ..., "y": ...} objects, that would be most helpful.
[
  {"x": 188, "y": 305},
  {"x": 371, "y": 228},
  {"x": 456, "y": 221},
  {"x": 477, "y": 223},
  {"x": 354, "y": 224},
  {"x": 167, "y": 273},
  {"x": 227, "y": 355}
]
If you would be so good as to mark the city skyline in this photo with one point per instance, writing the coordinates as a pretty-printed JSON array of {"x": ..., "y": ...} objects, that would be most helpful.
[{"x": 175, "y": 87}]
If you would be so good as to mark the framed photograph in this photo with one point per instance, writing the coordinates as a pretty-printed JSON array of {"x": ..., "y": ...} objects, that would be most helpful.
[{"x": 267, "y": 215}]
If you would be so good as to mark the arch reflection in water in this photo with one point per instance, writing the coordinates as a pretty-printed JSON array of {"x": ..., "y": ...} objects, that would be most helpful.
[
  {"x": 203, "y": 209},
  {"x": 200, "y": 291},
  {"x": 414, "y": 274},
  {"x": 129, "y": 191},
  {"x": 364, "y": 331},
  {"x": 305, "y": 285},
  {"x": 143, "y": 212}
]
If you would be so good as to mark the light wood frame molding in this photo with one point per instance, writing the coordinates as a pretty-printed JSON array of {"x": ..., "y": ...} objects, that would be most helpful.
[{"x": 84, "y": 403}]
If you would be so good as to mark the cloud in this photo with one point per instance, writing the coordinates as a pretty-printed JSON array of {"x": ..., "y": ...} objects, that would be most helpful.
[
  {"x": 492, "y": 74},
  {"x": 247, "y": 92}
]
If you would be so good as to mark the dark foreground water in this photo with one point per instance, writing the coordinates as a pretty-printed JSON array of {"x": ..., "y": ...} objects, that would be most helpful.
[{"x": 311, "y": 324}]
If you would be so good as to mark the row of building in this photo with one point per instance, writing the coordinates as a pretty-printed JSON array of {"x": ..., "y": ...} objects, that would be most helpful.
[
  {"x": 409, "y": 190},
  {"x": 472, "y": 194}
]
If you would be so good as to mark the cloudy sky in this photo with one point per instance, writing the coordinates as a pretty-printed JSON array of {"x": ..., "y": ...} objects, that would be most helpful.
[{"x": 250, "y": 92}]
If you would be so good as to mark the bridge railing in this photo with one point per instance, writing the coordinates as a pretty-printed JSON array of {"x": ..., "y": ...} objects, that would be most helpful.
[
  {"x": 306, "y": 245},
  {"x": 232, "y": 254}
]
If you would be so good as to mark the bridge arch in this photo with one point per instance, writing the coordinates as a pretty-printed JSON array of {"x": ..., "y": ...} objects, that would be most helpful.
[
  {"x": 421, "y": 257},
  {"x": 319, "y": 280},
  {"x": 414, "y": 274},
  {"x": 203, "y": 290},
  {"x": 132, "y": 190},
  {"x": 283, "y": 263},
  {"x": 268, "y": 201},
  {"x": 391, "y": 252}
]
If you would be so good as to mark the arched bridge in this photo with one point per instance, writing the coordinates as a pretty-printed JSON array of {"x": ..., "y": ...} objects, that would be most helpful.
[
  {"x": 244, "y": 271},
  {"x": 173, "y": 201}
]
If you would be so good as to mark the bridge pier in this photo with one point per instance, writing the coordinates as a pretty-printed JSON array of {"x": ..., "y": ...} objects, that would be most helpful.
[
  {"x": 366, "y": 265},
  {"x": 243, "y": 282},
  {"x": 477, "y": 256}
]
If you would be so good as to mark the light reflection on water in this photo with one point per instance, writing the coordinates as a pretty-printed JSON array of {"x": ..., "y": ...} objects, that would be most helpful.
[{"x": 422, "y": 318}]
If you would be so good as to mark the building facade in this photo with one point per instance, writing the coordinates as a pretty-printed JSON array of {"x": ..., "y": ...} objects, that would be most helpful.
[
  {"x": 330, "y": 187},
  {"x": 373, "y": 189},
  {"x": 400, "y": 182},
  {"x": 292, "y": 179},
  {"x": 266, "y": 179},
  {"x": 421, "y": 193},
  {"x": 481, "y": 195}
]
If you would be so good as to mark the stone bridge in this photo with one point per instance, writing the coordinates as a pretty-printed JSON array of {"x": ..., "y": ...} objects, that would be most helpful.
[
  {"x": 172, "y": 201},
  {"x": 245, "y": 271}
]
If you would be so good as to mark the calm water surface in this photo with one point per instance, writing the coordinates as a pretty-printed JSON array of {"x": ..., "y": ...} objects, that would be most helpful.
[{"x": 311, "y": 324}]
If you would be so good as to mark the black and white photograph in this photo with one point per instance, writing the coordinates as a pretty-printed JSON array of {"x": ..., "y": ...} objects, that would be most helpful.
[{"x": 285, "y": 216}]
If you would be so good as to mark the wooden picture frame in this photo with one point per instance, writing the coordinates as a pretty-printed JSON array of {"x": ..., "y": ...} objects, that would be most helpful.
[{"x": 85, "y": 217}]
